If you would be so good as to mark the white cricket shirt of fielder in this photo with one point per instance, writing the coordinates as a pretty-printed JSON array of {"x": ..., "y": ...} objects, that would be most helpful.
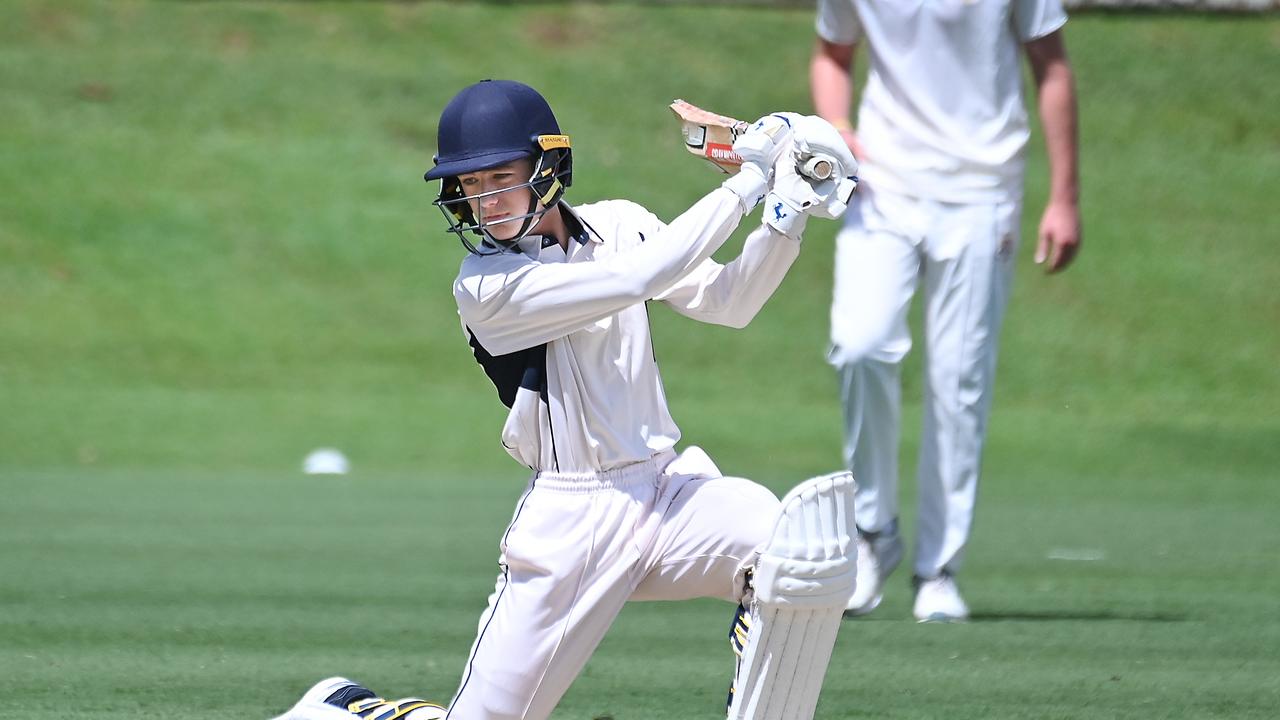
[
  {"x": 942, "y": 114},
  {"x": 565, "y": 338}
]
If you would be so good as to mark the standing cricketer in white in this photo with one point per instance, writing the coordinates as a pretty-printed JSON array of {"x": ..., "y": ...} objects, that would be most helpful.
[
  {"x": 552, "y": 300},
  {"x": 941, "y": 136}
]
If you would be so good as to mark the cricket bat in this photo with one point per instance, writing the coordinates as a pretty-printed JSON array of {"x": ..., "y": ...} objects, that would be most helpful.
[{"x": 710, "y": 136}]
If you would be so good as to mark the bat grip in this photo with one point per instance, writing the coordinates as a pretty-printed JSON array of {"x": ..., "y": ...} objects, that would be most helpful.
[{"x": 818, "y": 167}]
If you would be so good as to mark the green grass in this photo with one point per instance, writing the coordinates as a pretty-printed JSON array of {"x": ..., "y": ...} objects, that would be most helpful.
[{"x": 216, "y": 253}]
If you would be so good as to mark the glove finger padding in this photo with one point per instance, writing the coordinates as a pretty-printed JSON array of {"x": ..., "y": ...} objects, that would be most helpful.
[
  {"x": 814, "y": 137},
  {"x": 766, "y": 140}
]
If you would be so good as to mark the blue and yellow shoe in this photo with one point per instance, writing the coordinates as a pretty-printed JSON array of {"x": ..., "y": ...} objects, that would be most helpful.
[
  {"x": 739, "y": 630},
  {"x": 338, "y": 698}
]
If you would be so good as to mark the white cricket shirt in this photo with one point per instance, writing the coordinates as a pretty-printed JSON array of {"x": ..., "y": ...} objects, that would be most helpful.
[
  {"x": 942, "y": 114},
  {"x": 565, "y": 339}
]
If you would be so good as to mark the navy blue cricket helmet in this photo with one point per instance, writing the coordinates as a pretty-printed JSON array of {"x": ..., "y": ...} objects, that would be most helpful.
[{"x": 488, "y": 124}]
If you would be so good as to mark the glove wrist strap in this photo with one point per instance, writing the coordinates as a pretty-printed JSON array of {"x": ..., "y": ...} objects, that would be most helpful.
[
  {"x": 749, "y": 185},
  {"x": 779, "y": 215}
]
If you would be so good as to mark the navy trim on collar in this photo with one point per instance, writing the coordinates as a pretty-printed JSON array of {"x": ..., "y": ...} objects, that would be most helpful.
[{"x": 578, "y": 229}]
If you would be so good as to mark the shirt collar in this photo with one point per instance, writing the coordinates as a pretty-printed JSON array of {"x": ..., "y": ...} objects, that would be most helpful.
[{"x": 579, "y": 233}]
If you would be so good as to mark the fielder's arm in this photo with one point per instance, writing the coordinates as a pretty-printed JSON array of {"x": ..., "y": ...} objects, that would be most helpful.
[
  {"x": 1060, "y": 231},
  {"x": 831, "y": 85}
]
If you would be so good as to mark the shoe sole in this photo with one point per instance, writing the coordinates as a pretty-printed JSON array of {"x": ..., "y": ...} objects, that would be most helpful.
[{"x": 940, "y": 619}]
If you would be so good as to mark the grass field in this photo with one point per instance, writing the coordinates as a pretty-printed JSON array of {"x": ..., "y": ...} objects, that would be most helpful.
[{"x": 216, "y": 253}]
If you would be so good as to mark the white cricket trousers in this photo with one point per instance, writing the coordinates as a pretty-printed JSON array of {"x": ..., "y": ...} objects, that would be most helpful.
[
  {"x": 580, "y": 546},
  {"x": 962, "y": 258}
]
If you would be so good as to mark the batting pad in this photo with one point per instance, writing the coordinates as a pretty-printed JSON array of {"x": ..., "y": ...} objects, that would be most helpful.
[{"x": 803, "y": 579}]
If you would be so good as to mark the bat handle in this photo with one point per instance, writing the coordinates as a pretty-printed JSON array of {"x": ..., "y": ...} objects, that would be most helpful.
[{"x": 818, "y": 167}]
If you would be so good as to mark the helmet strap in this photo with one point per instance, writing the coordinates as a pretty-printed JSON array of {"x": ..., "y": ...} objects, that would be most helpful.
[{"x": 534, "y": 215}]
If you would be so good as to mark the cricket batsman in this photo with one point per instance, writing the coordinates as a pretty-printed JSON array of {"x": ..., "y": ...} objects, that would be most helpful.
[{"x": 553, "y": 301}]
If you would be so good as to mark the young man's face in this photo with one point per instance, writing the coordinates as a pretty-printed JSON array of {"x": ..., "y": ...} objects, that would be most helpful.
[{"x": 497, "y": 213}]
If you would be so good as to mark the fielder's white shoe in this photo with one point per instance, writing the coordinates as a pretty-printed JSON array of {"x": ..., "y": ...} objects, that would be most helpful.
[
  {"x": 938, "y": 600},
  {"x": 878, "y": 555},
  {"x": 338, "y": 698}
]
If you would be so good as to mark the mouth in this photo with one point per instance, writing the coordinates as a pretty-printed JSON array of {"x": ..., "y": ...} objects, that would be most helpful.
[{"x": 496, "y": 218}]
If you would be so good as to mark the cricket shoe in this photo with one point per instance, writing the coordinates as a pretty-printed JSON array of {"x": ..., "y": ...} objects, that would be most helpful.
[
  {"x": 739, "y": 631},
  {"x": 338, "y": 698},
  {"x": 938, "y": 600},
  {"x": 878, "y": 555}
]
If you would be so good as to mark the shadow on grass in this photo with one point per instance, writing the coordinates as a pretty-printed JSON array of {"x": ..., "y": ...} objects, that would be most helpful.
[{"x": 1087, "y": 615}]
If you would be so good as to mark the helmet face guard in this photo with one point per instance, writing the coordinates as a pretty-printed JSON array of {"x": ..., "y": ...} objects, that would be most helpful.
[
  {"x": 485, "y": 126},
  {"x": 552, "y": 173}
]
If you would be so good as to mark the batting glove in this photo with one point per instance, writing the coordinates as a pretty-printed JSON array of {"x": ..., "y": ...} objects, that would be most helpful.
[
  {"x": 750, "y": 185},
  {"x": 817, "y": 149},
  {"x": 818, "y": 144},
  {"x": 766, "y": 140},
  {"x": 787, "y": 204},
  {"x": 760, "y": 146}
]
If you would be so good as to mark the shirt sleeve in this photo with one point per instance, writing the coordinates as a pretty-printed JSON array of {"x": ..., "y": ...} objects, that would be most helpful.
[
  {"x": 512, "y": 302},
  {"x": 1036, "y": 18},
  {"x": 732, "y": 294},
  {"x": 838, "y": 22}
]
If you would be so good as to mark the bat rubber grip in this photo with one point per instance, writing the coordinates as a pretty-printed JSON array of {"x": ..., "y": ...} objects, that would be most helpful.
[{"x": 819, "y": 167}]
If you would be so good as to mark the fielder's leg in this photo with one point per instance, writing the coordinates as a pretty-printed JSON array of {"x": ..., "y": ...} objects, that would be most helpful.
[
  {"x": 877, "y": 269},
  {"x": 968, "y": 275},
  {"x": 801, "y": 583}
]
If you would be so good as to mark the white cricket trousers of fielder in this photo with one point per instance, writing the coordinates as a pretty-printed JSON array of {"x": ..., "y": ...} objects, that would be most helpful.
[
  {"x": 961, "y": 255},
  {"x": 580, "y": 546}
]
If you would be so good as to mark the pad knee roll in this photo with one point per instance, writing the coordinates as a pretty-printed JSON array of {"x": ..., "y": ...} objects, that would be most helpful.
[{"x": 811, "y": 559}]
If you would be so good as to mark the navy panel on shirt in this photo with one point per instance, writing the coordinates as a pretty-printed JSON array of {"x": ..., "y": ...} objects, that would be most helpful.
[{"x": 521, "y": 369}]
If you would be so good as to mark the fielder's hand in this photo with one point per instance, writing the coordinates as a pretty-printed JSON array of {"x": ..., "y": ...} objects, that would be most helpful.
[{"x": 1059, "y": 236}]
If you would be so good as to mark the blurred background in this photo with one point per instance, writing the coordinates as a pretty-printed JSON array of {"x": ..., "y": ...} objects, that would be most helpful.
[{"x": 217, "y": 254}]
